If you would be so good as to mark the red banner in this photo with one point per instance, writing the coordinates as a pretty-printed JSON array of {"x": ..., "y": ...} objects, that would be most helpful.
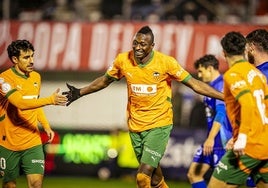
[{"x": 93, "y": 46}]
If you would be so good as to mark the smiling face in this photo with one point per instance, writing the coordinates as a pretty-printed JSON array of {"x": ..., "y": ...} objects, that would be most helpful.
[
  {"x": 24, "y": 63},
  {"x": 142, "y": 46}
]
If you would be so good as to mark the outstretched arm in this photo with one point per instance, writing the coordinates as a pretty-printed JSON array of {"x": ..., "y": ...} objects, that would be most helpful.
[
  {"x": 17, "y": 100},
  {"x": 98, "y": 84},
  {"x": 203, "y": 88}
]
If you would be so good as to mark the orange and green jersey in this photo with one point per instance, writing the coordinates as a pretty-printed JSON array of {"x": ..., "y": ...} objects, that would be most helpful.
[
  {"x": 245, "y": 95},
  {"x": 149, "y": 88},
  {"x": 19, "y": 125}
]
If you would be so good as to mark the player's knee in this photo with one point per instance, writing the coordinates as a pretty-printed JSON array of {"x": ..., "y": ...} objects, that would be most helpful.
[
  {"x": 160, "y": 184},
  {"x": 190, "y": 176},
  {"x": 143, "y": 180}
]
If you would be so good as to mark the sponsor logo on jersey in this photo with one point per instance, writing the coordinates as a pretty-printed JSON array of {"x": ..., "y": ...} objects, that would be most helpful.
[
  {"x": 144, "y": 89},
  {"x": 238, "y": 84}
]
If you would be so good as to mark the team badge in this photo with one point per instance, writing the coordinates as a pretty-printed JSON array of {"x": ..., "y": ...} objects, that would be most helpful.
[
  {"x": 5, "y": 87},
  {"x": 156, "y": 75}
]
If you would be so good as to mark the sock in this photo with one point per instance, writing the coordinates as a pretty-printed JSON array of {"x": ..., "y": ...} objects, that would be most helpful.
[
  {"x": 250, "y": 182},
  {"x": 143, "y": 181},
  {"x": 200, "y": 184},
  {"x": 161, "y": 184}
]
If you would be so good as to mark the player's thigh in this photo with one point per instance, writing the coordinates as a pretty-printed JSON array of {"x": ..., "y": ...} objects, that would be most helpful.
[
  {"x": 9, "y": 164},
  {"x": 235, "y": 170},
  {"x": 154, "y": 145},
  {"x": 136, "y": 141},
  {"x": 33, "y": 160}
]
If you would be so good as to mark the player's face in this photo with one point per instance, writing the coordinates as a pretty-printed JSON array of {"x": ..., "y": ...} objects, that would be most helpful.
[
  {"x": 24, "y": 63},
  {"x": 249, "y": 53},
  {"x": 204, "y": 73},
  {"x": 142, "y": 46}
]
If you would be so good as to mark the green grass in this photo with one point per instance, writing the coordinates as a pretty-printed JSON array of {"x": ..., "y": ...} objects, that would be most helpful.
[{"x": 83, "y": 182}]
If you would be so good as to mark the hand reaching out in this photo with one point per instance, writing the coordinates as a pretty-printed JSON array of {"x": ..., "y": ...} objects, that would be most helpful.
[
  {"x": 59, "y": 99},
  {"x": 72, "y": 95}
]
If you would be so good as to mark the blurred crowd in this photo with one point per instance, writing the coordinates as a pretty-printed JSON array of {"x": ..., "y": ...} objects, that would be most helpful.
[{"x": 200, "y": 11}]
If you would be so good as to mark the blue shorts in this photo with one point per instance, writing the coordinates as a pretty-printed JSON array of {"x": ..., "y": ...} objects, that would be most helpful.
[{"x": 211, "y": 159}]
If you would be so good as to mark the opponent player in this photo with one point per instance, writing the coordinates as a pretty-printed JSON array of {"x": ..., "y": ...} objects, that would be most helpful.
[
  {"x": 257, "y": 49},
  {"x": 245, "y": 92},
  {"x": 20, "y": 112},
  {"x": 219, "y": 128},
  {"x": 150, "y": 118}
]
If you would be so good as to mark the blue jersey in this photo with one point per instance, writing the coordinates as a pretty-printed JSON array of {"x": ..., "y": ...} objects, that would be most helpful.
[
  {"x": 216, "y": 109},
  {"x": 264, "y": 68}
]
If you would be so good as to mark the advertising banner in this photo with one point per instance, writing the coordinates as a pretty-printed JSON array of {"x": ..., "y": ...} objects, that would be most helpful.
[
  {"x": 80, "y": 46},
  {"x": 110, "y": 154}
]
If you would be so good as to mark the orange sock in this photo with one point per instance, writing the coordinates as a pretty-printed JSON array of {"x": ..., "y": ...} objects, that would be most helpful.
[
  {"x": 143, "y": 181},
  {"x": 161, "y": 184}
]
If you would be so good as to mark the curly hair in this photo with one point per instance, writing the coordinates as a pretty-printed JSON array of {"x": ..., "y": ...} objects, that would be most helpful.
[{"x": 17, "y": 46}]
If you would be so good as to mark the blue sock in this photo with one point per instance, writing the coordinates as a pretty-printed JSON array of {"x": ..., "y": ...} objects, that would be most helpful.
[
  {"x": 250, "y": 182},
  {"x": 200, "y": 184}
]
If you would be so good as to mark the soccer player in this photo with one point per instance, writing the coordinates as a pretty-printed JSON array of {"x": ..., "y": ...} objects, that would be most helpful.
[
  {"x": 245, "y": 96},
  {"x": 257, "y": 49},
  {"x": 20, "y": 112},
  {"x": 148, "y": 74},
  {"x": 219, "y": 127}
]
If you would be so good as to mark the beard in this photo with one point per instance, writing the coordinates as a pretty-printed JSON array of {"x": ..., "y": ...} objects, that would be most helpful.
[{"x": 251, "y": 58}]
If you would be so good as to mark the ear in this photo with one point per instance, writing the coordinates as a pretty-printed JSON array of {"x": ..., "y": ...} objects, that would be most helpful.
[
  {"x": 152, "y": 44},
  {"x": 14, "y": 59},
  {"x": 210, "y": 68}
]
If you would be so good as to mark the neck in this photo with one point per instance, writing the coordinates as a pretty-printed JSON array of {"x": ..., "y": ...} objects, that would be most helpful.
[
  {"x": 233, "y": 59},
  {"x": 145, "y": 59},
  {"x": 215, "y": 75},
  {"x": 260, "y": 59}
]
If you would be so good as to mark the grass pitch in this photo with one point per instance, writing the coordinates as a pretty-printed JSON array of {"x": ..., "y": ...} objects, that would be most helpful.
[{"x": 84, "y": 182}]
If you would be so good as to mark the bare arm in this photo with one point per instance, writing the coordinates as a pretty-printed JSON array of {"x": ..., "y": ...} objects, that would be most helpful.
[
  {"x": 203, "y": 88},
  {"x": 209, "y": 143},
  {"x": 98, "y": 84}
]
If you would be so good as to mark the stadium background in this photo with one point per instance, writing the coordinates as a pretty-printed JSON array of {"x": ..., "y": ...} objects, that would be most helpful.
[{"x": 91, "y": 134}]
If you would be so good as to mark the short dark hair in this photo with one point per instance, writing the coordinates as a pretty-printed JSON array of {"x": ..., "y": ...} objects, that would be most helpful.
[
  {"x": 147, "y": 30},
  {"x": 206, "y": 61},
  {"x": 259, "y": 38},
  {"x": 16, "y": 46},
  {"x": 233, "y": 43}
]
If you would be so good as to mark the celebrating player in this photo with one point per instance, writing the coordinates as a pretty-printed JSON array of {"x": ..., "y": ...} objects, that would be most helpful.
[{"x": 150, "y": 118}]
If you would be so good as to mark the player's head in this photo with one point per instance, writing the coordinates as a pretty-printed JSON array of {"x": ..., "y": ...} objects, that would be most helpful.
[
  {"x": 143, "y": 43},
  {"x": 21, "y": 52},
  {"x": 233, "y": 44},
  {"x": 257, "y": 42},
  {"x": 206, "y": 66}
]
